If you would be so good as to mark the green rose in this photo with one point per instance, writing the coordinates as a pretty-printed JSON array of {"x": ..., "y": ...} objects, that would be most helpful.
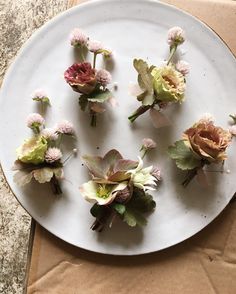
[
  {"x": 33, "y": 150},
  {"x": 168, "y": 84}
]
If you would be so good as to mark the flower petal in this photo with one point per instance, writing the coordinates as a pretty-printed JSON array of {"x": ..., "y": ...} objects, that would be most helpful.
[
  {"x": 89, "y": 191},
  {"x": 159, "y": 120}
]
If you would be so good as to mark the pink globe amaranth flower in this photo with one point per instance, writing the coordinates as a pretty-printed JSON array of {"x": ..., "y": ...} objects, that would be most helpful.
[
  {"x": 35, "y": 120},
  {"x": 95, "y": 46},
  {"x": 50, "y": 134},
  {"x": 52, "y": 155},
  {"x": 81, "y": 77},
  {"x": 103, "y": 77},
  {"x": 78, "y": 38},
  {"x": 233, "y": 130},
  {"x": 39, "y": 94},
  {"x": 183, "y": 67},
  {"x": 65, "y": 127},
  {"x": 176, "y": 36},
  {"x": 149, "y": 143}
]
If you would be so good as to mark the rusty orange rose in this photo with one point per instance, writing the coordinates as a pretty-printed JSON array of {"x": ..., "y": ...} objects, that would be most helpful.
[{"x": 208, "y": 141}]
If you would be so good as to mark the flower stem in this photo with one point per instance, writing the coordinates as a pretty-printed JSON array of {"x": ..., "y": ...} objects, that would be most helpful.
[
  {"x": 56, "y": 189},
  {"x": 144, "y": 153},
  {"x": 191, "y": 174},
  {"x": 59, "y": 140},
  {"x": 82, "y": 55},
  {"x": 42, "y": 107},
  {"x": 94, "y": 60},
  {"x": 93, "y": 122},
  {"x": 101, "y": 221},
  {"x": 138, "y": 112},
  {"x": 172, "y": 52}
]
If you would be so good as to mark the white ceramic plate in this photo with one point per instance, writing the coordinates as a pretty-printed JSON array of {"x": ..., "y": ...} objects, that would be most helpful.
[{"x": 134, "y": 28}]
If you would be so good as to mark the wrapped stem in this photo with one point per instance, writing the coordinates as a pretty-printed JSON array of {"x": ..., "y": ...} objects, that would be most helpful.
[
  {"x": 142, "y": 109},
  {"x": 56, "y": 188},
  {"x": 191, "y": 174},
  {"x": 102, "y": 220},
  {"x": 93, "y": 122}
]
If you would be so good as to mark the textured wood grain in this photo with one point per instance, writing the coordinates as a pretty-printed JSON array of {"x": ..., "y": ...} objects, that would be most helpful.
[{"x": 18, "y": 20}]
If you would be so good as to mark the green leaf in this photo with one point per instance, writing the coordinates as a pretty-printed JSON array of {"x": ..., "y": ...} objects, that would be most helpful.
[
  {"x": 183, "y": 156},
  {"x": 43, "y": 175},
  {"x": 130, "y": 219},
  {"x": 83, "y": 102},
  {"x": 139, "y": 204},
  {"x": 100, "y": 96},
  {"x": 120, "y": 208},
  {"x": 141, "y": 201},
  {"x": 133, "y": 218}
]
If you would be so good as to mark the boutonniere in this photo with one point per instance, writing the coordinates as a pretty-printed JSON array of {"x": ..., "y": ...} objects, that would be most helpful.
[
  {"x": 84, "y": 78},
  {"x": 40, "y": 157},
  {"x": 160, "y": 86},
  {"x": 201, "y": 145},
  {"x": 119, "y": 188}
]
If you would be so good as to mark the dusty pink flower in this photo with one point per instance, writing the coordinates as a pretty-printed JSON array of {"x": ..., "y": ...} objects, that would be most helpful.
[
  {"x": 103, "y": 77},
  {"x": 35, "y": 120},
  {"x": 78, "y": 38},
  {"x": 39, "y": 94},
  {"x": 156, "y": 173},
  {"x": 183, "y": 67},
  {"x": 149, "y": 143},
  {"x": 233, "y": 130},
  {"x": 81, "y": 77},
  {"x": 50, "y": 134},
  {"x": 52, "y": 155},
  {"x": 65, "y": 127},
  {"x": 208, "y": 141},
  {"x": 95, "y": 46},
  {"x": 176, "y": 36}
]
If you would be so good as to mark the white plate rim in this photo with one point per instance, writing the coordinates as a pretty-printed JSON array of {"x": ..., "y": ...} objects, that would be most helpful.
[{"x": 47, "y": 26}]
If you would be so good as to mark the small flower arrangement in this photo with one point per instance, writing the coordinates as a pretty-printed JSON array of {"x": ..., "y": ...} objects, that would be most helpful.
[
  {"x": 202, "y": 144},
  {"x": 163, "y": 85},
  {"x": 85, "y": 79},
  {"x": 119, "y": 189},
  {"x": 40, "y": 156}
]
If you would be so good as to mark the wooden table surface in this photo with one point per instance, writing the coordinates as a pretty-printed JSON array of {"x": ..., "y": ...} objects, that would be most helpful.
[{"x": 19, "y": 19}]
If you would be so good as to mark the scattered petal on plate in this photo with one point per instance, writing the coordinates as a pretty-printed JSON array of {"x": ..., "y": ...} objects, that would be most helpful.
[
  {"x": 113, "y": 102},
  {"x": 159, "y": 119},
  {"x": 97, "y": 107}
]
